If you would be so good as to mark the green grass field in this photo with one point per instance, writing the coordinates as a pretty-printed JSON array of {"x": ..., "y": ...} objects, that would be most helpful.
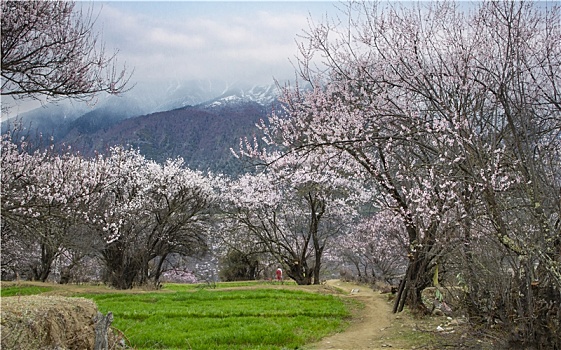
[
  {"x": 192, "y": 317},
  {"x": 235, "y": 319}
]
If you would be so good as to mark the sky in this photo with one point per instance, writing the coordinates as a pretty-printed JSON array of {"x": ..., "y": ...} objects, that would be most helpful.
[
  {"x": 168, "y": 42},
  {"x": 251, "y": 41},
  {"x": 234, "y": 41}
]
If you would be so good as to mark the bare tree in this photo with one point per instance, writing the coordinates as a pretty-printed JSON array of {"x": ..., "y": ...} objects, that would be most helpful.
[{"x": 51, "y": 49}]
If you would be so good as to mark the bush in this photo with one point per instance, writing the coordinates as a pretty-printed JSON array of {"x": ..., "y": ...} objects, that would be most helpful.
[{"x": 238, "y": 266}]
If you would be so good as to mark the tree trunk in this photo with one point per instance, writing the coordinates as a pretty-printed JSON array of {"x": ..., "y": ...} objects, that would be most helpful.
[
  {"x": 299, "y": 272},
  {"x": 158, "y": 271},
  {"x": 121, "y": 270},
  {"x": 101, "y": 329},
  {"x": 415, "y": 281},
  {"x": 317, "y": 210},
  {"x": 43, "y": 270},
  {"x": 317, "y": 268}
]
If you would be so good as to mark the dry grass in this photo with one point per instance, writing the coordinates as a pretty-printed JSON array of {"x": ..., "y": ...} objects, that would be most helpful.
[
  {"x": 36, "y": 321},
  {"x": 48, "y": 322}
]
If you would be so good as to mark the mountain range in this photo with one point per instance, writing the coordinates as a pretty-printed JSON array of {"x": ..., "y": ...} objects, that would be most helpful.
[{"x": 199, "y": 121}]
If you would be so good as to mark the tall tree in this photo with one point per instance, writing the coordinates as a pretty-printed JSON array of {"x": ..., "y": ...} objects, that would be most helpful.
[
  {"x": 44, "y": 195},
  {"x": 295, "y": 209},
  {"x": 147, "y": 212},
  {"x": 454, "y": 112}
]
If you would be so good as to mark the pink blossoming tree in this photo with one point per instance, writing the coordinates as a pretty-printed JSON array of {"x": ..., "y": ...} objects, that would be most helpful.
[
  {"x": 50, "y": 49},
  {"x": 294, "y": 210},
  {"x": 454, "y": 113}
]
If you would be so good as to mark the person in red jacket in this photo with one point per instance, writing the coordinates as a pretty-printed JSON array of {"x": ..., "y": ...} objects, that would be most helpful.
[{"x": 279, "y": 274}]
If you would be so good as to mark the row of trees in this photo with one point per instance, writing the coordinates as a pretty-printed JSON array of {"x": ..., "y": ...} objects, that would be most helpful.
[
  {"x": 126, "y": 220},
  {"x": 129, "y": 212},
  {"x": 454, "y": 114}
]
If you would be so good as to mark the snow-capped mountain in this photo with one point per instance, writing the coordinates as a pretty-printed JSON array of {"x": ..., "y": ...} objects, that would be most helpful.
[
  {"x": 264, "y": 95},
  {"x": 57, "y": 119},
  {"x": 199, "y": 121}
]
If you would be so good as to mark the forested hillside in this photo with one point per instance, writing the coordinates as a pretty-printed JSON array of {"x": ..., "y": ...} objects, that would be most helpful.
[{"x": 201, "y": 135}]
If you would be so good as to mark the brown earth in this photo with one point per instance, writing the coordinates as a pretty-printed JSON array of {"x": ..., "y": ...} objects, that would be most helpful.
[
  {"x": 375, "y": 327},
  {"x": 368, "y": 330}
]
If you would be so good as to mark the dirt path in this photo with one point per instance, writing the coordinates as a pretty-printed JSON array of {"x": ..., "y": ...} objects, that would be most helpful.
[
  {"x": 367, "y": 331},
  {"x": 372, "y": 328}
]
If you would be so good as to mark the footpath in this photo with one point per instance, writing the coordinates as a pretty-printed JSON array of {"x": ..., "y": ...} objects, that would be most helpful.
[{"x": 367, "y": 331}]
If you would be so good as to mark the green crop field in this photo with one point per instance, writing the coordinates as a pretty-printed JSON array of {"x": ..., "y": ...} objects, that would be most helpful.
[
  {"x": 183, "y": 317},
  {"x": 239, "y": 315}
]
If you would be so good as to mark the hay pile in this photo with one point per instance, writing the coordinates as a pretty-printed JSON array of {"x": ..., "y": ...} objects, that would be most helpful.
[{"x": 47, "y": 322}]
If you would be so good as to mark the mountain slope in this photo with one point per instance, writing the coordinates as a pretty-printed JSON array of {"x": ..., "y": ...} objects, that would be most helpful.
[
  {"x": 201, "y": 135},
  {"x": 199, "y": 121}
]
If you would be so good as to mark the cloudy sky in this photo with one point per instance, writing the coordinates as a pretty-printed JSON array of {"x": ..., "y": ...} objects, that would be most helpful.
[
  {"x": 176, "y": 41},
  {"x": 251, "y": 41}
]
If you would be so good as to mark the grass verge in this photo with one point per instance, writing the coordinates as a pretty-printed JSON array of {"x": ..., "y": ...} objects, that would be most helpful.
[{"x": 14, "y": 290}]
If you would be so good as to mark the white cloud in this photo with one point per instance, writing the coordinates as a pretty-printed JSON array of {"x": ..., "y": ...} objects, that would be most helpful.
[
  {"x": 163, "y": 37},
  {"x": 189, "y": 40}
]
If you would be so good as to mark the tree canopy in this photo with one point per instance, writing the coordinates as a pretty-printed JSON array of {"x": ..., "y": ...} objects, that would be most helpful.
[{"x": 50, "y": 49}]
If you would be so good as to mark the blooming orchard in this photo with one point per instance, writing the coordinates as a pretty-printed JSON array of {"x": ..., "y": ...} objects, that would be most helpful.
[
  {"x": 446, "y": 120},
  {"x": 293, "y": 210},
  {"x": 455, "y": 116},
  {"x": 131, "y": 212}
]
